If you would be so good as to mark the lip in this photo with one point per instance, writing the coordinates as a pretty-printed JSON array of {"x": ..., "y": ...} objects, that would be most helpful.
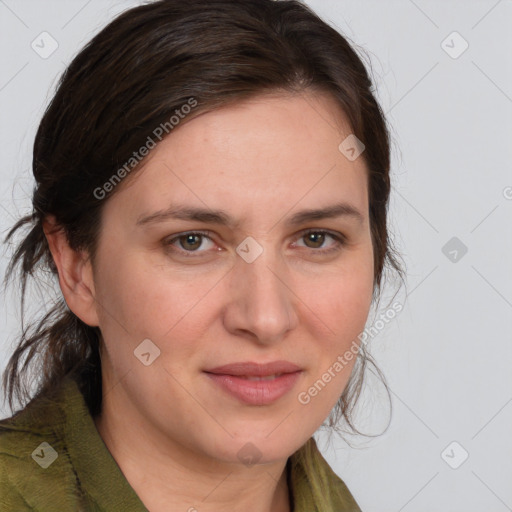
[
  {"x": 255, "y": 369},
  {"x": 255, "y": 383}
]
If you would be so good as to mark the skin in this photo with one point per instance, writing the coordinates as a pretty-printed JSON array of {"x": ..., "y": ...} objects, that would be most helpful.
[{"x": 174, "y": 433}]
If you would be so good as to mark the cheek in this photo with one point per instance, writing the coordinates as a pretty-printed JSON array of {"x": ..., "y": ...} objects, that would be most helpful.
[
  {"x": 342, "y": 301},
  {"x": 339, "y": 315},
  {"x": 140, "y": 299}
]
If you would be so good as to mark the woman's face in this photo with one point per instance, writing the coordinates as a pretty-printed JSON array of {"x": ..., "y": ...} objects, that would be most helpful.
[{"x": 204, "y": 261}]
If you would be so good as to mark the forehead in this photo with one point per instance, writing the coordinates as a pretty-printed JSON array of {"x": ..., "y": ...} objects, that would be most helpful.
[{"x": 269, "y": 152}]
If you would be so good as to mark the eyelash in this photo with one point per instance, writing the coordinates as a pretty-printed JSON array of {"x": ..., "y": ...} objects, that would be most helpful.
[{"x": 338, "y": 237}]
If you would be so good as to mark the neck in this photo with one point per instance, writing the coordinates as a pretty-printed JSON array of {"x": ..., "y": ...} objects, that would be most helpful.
[{"x": 169, "y": 476}]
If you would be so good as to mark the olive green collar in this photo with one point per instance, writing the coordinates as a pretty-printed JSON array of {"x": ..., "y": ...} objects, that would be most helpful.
[{"x": 65, "y": 420}]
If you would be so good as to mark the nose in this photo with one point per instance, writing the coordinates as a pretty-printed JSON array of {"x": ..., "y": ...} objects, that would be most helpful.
[{"x": 261, "y": 305}]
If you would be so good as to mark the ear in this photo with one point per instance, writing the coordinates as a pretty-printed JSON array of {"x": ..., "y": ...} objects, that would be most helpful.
[{"x": 75, "y": 273}]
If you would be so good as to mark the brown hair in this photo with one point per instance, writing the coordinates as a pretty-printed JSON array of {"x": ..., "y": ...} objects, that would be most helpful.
[{"x": 132, "y": 77}]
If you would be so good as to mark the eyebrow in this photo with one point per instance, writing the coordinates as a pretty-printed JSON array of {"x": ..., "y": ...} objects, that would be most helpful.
[{"x": 223, "y": 218}]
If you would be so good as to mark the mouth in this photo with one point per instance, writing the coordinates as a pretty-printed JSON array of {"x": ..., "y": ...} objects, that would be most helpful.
[
  {"x": 267, "y": 377},
  {"x": 256, "y": 384}
]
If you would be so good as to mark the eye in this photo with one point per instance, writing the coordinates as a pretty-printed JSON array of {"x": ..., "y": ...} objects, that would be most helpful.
[
  {"x": 188, "y": 242},
  {"x": 315, "y": 239}
]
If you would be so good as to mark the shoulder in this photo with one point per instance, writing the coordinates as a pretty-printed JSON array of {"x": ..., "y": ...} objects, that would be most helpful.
[
  {"x": 315, "y": 486},
  {"x": 17, "y": 444},
  {"x": 20, "y": 434},
  {"x": 34, "y": 466}
]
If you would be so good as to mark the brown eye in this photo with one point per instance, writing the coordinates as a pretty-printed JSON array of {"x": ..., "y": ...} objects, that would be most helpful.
[
  {"x": 316, "y": 238},
  {"x": 189, "y": 244},
  {"x": 191, "y": 241}
]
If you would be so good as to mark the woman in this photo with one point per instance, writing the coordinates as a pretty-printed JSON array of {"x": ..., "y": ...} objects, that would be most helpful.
[{"x": 212, "y": 182}]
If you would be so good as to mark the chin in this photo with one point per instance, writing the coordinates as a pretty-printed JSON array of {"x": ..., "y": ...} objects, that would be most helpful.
[{"x": 258, "y": 446}]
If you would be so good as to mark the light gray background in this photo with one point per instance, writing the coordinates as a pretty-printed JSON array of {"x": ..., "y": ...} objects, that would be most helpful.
[{"x": 448, "y": 354}]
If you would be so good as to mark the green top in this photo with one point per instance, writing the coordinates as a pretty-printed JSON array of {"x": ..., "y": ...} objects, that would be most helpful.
[{"x": 52, "y": 458}]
